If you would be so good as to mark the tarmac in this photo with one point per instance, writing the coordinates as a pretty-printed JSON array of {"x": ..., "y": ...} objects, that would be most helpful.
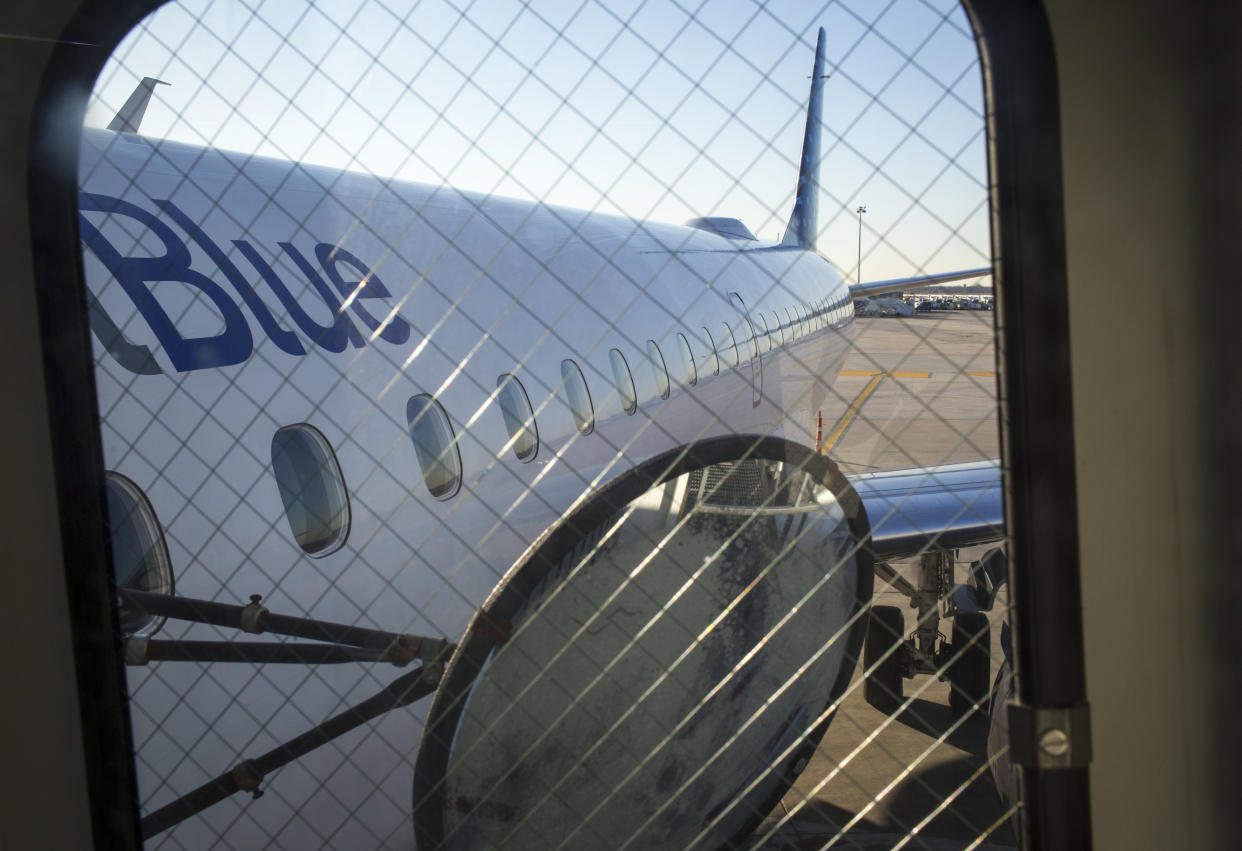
[{"x": 924, "y": 392}]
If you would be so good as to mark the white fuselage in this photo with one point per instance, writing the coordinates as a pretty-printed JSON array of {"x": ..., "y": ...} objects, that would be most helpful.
[{"x": 459, "y": 289}]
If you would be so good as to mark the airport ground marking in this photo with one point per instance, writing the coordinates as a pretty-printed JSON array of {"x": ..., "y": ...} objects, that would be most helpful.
[
  {"x": 851, "y": 413},
  {"x": 866, "y": 372}
]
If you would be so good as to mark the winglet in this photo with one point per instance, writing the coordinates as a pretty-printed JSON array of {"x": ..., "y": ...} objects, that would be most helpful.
[
  {"x": 129, "y": 117},
  {"x": 804, "y": 221}
]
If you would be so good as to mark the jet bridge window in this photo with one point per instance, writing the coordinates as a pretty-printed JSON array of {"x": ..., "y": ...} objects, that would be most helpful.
[
  {"x": 659, "y": 370},
  {"x": 624, "y": 380},
  {"x": 578, "y": 396},
  {"x": 689, "y": 374},
  {"x": 312, "y": 489},
  {"x": 519, "y": 417},
  {"x": 435, "y": 444},
  {"x": 139, "y": 552}
]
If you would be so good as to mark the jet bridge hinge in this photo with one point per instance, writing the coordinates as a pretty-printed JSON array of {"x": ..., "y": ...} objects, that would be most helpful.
[{"x": 1050, "y": 736}]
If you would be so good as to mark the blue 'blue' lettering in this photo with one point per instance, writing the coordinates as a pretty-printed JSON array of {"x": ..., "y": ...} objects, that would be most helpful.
[
  {"x": 231, "y": 346},
  {"x": 284, "y": 339},
  {"x": 367, "y": 285}
]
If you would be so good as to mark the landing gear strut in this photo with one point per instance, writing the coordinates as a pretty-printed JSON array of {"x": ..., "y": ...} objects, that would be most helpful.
[{"x": 964, "y": 661}]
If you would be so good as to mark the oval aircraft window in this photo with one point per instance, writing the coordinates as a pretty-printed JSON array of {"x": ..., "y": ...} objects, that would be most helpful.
[
  {"x": 312, "y": 489},
  {"x": 712, "y": 356},
  {"x": 792, "y": 326},
  {"x": 729, "y": 346},
  {"x": 779, "y": 331},
  {"x": 687, "y": 360},
  {"x": 659, "y": 370},
  {"x": 745, "y": 327},
  {"x": 435, "y": 444},
  {"x": 578, "y": 396},
  {"x": 519, "y": 417},
  {"x": 139, "y": 552},
  {"x": 767, "y": 332},
  {"x": 624, "y": 381}
]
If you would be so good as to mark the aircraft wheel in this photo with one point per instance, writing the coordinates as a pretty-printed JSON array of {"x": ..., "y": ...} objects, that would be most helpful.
[
  {"x": 968, "y": 673},
  {"x": 883, "y": 686}
]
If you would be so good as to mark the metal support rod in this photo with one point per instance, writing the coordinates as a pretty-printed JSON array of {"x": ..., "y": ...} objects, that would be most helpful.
[
  {"x": 248, "y": 774},
  {"x": 140, "y": 650},
  {"x": 254, "y": 618},
  {"x": 889, "y": 574}
]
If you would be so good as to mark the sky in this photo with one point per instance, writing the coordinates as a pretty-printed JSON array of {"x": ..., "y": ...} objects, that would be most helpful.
[{"x": 655, "y": 109}]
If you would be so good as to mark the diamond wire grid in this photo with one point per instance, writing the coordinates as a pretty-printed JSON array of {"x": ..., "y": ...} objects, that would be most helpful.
[{"x": 263, "y": 80}]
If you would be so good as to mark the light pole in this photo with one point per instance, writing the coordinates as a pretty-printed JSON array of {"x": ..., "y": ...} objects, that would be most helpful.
[{"x": 861, "y": 209}]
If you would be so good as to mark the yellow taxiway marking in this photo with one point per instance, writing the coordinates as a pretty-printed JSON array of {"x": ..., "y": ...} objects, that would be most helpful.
[
  {"x": 984, "y": 374},
  {"x": 852, "y": 411},
  {"x": 865, "y": 372}
]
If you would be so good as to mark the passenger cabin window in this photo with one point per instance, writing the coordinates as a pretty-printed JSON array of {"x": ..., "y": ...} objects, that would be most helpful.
[
  {"x": 728, "y": 344},
  {"x": 578, "y": 396},
  {"x": 312, "y": 489},
  {"x": 779, "y": 331},
  {"x": 713, "y": 358},
  {"x": 519, "y": 417},
  {"x": 793, "y": 328},
  {"x": 766, "y": 336},
  {"x": 139, "y": 553},
  {"x": 624, "y": 380},
  {"x": 435, "y": 444},
  {"x": 689, "y": 374},
  {"x": 659, "y": 370},
  {"x": 746, "y": 328}
]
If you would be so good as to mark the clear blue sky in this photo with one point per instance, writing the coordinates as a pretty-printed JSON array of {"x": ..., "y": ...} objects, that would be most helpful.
[{"x": 658, "y": 109}]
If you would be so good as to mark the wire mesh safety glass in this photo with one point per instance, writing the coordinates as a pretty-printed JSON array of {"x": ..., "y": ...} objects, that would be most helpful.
[{"x": 760, "y": 605}]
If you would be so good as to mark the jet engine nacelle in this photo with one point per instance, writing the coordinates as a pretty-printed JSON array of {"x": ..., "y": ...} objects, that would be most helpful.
[{"x": 657, "y": 669}]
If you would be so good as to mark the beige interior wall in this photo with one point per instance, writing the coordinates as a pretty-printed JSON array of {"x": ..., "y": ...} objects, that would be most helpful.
[
  {"x": 43, "y": 804},
  {"x": 1133, "y": 147}
]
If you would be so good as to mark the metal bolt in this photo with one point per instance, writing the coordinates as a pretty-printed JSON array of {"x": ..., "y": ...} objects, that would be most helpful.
[{"x": 1054, "y": 742}]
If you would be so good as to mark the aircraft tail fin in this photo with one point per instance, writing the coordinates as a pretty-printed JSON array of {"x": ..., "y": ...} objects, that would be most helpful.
[
  {"x": 129, "y": 117},
  {"x": 804, "y": 221}
]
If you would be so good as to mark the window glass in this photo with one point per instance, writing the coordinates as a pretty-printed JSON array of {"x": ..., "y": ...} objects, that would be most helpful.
[
  {"x": 765, "y": 334},
  {"x": 435, "y": 444},
  {"x": 728, "y": 346},
  {"x": 689, "y": 374},
  {"x": 139, "y": 552},
  {"x": 578, "y": 396},
  {"x": 624, "y": 381},
  {"x": 659, "y": 370},
  {"x": 777, "y": 329},
  {"x": 713, "y": 358},
  {"x": 745, "y": 328},
  {"x": 518, "y": 415},
  {"x": 312, "y": 489},
  {"x": 792, "y": 326}
]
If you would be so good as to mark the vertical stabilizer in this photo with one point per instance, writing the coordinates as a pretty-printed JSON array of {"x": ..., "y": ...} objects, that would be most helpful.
[
  {"x": 129, "y": 117},
  {"x": 804, "y": 221}
]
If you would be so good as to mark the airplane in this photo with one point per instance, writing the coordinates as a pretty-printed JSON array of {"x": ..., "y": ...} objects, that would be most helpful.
[{"x": 563, "y": 462}]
